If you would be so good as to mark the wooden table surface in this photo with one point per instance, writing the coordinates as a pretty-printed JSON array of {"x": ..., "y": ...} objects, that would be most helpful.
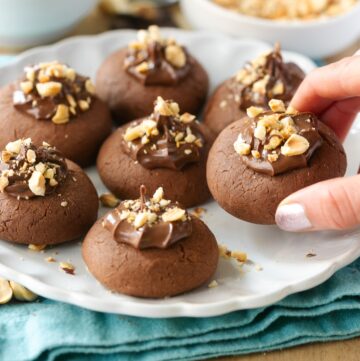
[{"x": 348, "y": 350}]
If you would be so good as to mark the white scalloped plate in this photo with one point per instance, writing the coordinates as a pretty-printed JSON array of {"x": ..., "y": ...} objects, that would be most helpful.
[{"x": 280, "y": 255}]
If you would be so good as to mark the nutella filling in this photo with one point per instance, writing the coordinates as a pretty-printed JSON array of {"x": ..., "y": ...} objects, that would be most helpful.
[
  {"x": 148, "y": 223},
  {"x": 165, "y": 139},
  {"x": 265, "y": 78},
  {"x": 154, "y": 60},
  {"x": 274, "y": 142},
  {"x": 53, "y": 91},
  {"x": 27, "y": 171}
]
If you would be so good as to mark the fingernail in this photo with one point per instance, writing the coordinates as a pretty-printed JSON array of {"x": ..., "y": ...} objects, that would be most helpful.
[{"x": 292, "y": 218}]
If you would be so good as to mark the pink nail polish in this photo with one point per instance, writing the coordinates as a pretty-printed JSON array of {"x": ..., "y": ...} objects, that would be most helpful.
[{"x": 292, "y": 218}]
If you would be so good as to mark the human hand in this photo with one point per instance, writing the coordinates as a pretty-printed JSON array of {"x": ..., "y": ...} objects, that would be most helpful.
[{"x": 333, "y": 93}]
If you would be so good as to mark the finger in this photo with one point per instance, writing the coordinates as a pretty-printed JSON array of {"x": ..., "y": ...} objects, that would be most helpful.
[
  {"x": 333, "y": 204},
  {"x": 340, "y": 116},
  {"x": 325, "y": 85}
]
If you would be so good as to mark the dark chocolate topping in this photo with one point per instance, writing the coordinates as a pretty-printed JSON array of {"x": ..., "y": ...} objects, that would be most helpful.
[
  {"x": 172, "y": 144},
  {"x": 51, "y": 85},
  {"x": 283, "y": 155},
  {"x": 31, "y": 171},
  {"x": 143, "y": 224},
  {"x": 149, "y": 63},
  {"x": 267, "y": 77}
]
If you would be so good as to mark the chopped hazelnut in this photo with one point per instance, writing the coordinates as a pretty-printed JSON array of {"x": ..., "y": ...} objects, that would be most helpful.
[
  {"x": 277, "y": 105},
  {"x": 31, "y": 156},
  {"x": 140, "y": 220},
  {"x": 37, "y": 183},
  {"x": 109, "y": 200},
  {"x": 252, "y": 112},
  {"x": 173, "y": 214},
  {"x": 14, "y": 147},
  {"x": 62, "y": 114},
  {"x": 90, "y": 87},
  {"x": 260, "y": 132},
  {"x": 26, "y": 86},
  {"x": 83, "y": 105},
  {"x": 175, "y": 55},
  {"x": 241, "y": 147},
  {"x": 142, "y": 67},
  {"x": 187, "y": 118},
  {"x": 48, "y": 89},
  {"x": 295, "y": 145},
  {"x": 4, "y": 182},
  {"x": 158, "y": 195}
]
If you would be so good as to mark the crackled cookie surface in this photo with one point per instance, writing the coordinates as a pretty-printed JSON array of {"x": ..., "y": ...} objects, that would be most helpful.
[{"x": 150, "y": 247}]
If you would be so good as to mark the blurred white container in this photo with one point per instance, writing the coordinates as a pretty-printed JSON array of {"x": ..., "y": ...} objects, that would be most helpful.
[
  {"x": 316, "y": 38},
  {"x": 26, "y": 23}
]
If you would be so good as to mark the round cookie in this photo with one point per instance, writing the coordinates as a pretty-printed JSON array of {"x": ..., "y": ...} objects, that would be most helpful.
[
  {"x": 123, "y": 173},
  {"x": 63, "y": 215},
  {"x": 252, "y": 195},
  {"x": 260, "y": 80},
  {"x": 131, "y": 96},
  {"x": 78, "y": 136},
  {"x": 151, "y": 272}
]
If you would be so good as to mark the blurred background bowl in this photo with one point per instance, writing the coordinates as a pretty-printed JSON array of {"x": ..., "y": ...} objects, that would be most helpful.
[
  {"x": 25, "y": 23},
  {"x": 316, "y": 38}
]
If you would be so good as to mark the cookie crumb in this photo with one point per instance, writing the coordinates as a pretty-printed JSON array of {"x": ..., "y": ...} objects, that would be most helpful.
[
  {"x": 224, "y": 252},
  {"x": 109, "y": 200},
  {"x": 67, "y": 267},
  {"x": 36, "y": 247},
  {"x": 213, "y": 284},
  {"x": 50, "y": 259},
  {"x": 198, "y": 212},
  {"x": 239, "y": 256}
]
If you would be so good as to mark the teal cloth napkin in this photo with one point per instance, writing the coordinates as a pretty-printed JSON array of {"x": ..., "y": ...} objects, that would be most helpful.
[{"x": 46, "y": 330}]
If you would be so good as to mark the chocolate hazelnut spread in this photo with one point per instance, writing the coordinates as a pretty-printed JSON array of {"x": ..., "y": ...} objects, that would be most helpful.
[
  {"x": 154, "y": 60},
  {"x": 275, "y": 142},
  {"x": 148, "y": 223},
  {"x": 265, "y": 78},
  {"x": 165, "y": 139},
  {"x": 53, "y": 91},
  {"x": 27, "y": 171}
]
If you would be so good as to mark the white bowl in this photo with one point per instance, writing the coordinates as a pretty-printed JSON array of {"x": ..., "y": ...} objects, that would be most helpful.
[
  {"x": 26, "y": 23},
  {"x": 315, "y": 38}
]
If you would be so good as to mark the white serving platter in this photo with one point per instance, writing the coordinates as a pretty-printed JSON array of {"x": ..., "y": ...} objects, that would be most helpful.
[{"x": 279, "y": 263}]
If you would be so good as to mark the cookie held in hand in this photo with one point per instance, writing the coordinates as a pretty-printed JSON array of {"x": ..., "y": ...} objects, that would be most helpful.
[{"x": 259, "y": 160}]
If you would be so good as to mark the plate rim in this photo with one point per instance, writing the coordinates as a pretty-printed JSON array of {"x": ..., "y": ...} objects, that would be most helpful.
[{"x": 181, "y": 308}]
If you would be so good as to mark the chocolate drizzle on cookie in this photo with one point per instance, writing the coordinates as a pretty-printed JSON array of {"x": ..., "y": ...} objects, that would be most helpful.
[
  {"x": 165, "y": 139},
  {"x": 53, "y": 91},
  {"x": 267, "y": 77},
  {"x": 27, "y": 171},
  {"x": 154, "y": 60},
  {"x": 277, "y": 141},
  {"x": 148, "y": 223}
]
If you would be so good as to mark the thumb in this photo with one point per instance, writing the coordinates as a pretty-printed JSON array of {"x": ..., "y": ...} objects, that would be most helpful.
[{"x": 333, "y": 204}]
